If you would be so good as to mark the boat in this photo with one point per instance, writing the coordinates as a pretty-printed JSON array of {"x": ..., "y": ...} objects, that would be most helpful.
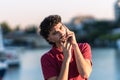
[
  {"x": 3, "y": 57},
  {"x": 10, "y": 55}
]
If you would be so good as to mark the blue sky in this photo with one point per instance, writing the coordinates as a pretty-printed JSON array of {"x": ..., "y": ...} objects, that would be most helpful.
[{"x": 28, "y": 12}]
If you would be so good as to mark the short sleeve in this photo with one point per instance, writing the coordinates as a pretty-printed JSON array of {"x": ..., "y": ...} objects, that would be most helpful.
[
  {"x": 48, "y": 67},
  {"x": 86, "y": 51}
]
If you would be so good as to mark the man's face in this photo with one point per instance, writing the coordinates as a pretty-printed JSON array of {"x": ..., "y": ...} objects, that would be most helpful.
[{"x": 57, "y": 33}]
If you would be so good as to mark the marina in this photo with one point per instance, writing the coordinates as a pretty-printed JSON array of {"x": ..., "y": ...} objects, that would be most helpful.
[{"x": 106, "y": 63}]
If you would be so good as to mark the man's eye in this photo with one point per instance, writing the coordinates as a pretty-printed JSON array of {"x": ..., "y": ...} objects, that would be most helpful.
[
  {"x": 61, "y": 27},
  {"x": 55, "y": 33}
]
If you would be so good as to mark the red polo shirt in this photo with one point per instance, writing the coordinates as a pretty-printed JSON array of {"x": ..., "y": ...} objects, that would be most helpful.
[{"x": 51, "y": 62}]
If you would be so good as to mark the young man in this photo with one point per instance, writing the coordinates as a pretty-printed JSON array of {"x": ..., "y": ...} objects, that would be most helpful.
[{"x": 67, "y": 60}]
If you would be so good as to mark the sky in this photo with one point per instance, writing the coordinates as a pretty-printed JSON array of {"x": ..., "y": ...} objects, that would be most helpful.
[{"x": 32, "y": 12}]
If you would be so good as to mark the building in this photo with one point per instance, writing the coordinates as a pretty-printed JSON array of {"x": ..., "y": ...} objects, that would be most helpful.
[
  {"x": 26, "y": 40},
  {"x": 117, "y": 10}
]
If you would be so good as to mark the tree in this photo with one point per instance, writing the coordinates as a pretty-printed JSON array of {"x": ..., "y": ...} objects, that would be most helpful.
[
  {"x": 31, "y": 29},
  {"x": 5, "y": 28},
  {"x": 17, "y": 28}
]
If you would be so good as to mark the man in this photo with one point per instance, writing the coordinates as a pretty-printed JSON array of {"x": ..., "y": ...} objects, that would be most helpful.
[{"x": 67, "y": 60}]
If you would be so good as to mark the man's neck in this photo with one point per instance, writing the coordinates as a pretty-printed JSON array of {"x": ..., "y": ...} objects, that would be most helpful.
[{"x": 59, "y": 47}]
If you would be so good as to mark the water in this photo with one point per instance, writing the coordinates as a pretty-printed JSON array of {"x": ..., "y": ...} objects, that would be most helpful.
[{"x": 106, "y": 65}]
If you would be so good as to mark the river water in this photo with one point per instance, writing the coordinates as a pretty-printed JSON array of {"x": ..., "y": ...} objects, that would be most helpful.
[{"x": 106, "y": 65}]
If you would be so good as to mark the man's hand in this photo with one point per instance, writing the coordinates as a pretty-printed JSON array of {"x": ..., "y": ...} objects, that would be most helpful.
[
  {"x": 70, "y": 35},
  {"x": 66, "y": 46}
]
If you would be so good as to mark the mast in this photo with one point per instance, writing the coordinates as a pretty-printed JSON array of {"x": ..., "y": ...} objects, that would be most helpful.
[{"x": 1, "y": 40}]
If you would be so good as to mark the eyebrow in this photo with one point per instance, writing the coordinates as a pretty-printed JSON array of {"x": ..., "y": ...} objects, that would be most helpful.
[{"x": 59, "y": 27}]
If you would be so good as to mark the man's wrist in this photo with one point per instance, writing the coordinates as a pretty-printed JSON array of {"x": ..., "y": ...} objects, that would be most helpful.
[{"x": 74, "y": 45}]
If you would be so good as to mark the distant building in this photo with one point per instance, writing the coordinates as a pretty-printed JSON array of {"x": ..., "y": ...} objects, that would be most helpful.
[
  {"x": 77, "y": 24},
  {"x": 22, "y": 39},
  {"x": 78, "y": 21},
  {"x": 117, "y": 10},
  {"x": 118, "y": 44},
  {"x": 1, "y": 40},
  {"x": 115, "y": 31}
]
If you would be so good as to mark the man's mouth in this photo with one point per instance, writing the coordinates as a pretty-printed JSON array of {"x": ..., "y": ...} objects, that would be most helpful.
[{"x": 63, "y": 38}]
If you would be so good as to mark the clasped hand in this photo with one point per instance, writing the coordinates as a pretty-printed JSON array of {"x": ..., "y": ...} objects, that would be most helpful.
[{"x": 67, "y": 44}]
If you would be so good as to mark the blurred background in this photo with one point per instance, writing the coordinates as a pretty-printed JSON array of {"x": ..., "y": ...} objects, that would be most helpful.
[{"x": 21, "y": 47}]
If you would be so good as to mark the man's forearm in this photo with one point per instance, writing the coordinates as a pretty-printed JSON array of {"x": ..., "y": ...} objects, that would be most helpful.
[
  {"x": 64, "y": 70},
  {"x": 84, "y": 66}
]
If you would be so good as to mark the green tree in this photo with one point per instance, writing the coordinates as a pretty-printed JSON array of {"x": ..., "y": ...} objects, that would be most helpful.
[
  {"x": 5, "y": 28},
  {"x": 97, "y": 29},
  {"x": 17, "y": 28},
  {"x": 31, "y": 29}
]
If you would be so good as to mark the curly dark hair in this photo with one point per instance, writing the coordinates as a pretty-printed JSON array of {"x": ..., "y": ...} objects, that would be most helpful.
[{"x": 47, "y": 24}]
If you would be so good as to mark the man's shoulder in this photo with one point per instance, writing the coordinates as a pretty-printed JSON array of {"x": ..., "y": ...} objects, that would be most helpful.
[
  {"x": 85, "y": 44},
  {"x": 45, "y": 55},
  {"x": 48, "y": 54}
]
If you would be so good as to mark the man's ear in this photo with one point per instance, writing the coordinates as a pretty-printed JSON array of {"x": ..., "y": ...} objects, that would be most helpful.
[{"x": 49, "y": 39}]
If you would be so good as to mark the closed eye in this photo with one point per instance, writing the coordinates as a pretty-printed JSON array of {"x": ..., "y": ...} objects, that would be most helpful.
[
  {"x": 60, "y": 27},
  {"x": 55, "y": 32}
]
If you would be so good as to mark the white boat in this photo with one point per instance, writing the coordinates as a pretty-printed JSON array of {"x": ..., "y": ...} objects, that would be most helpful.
[
  {"x": 3, "y": 69},
  {"x": 118, "y": 45},
  {"x": 3, "y": 63},
  {"x": 10, "y": 55}
]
